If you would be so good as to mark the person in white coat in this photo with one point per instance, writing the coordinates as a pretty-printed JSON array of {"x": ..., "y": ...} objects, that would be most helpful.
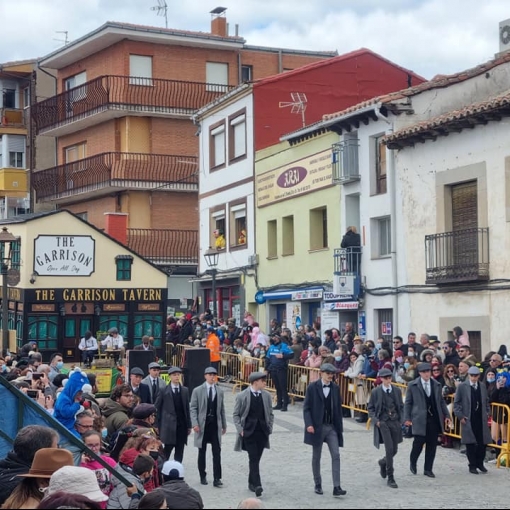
[{"x": 209, "y": 422}]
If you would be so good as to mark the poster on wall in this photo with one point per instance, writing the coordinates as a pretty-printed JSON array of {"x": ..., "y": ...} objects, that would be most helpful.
[
  {"x": 329, "y": 320},
  {"x": 236, "y": 313},
  {"x": 362, "y": 328},
  {"x": 293, "y": 315}
]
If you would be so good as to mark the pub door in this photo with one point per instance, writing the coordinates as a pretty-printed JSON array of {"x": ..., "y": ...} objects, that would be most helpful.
[{"x": 74, "y": 329}]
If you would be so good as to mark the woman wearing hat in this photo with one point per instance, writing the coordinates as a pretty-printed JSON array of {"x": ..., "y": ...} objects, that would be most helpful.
[{"x": 30, "y": 491}]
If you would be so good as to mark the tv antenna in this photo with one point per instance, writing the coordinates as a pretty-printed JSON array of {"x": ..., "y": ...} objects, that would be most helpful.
[
  {"x": 65, "y": 40},
  {"x": 161, "y": 10},
  {"x": 297, "y": 105}
]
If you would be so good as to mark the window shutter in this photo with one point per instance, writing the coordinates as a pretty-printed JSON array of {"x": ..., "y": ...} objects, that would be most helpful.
[
  {"x": 464, "y": 206},
  {"x": 140, "y": 66},
  {"x": 239, "y": 139},
  {"x": 16, "y": 143},
  {"x": 219, "y": 148}
]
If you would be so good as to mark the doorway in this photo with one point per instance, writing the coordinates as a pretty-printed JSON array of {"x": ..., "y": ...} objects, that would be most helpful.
[{"x": 74, "y": 330}]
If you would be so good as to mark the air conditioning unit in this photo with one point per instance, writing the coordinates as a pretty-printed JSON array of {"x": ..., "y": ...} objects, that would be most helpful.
[
  {"x": 504, "y": 35},
  {"x": 253, "y": 260}
]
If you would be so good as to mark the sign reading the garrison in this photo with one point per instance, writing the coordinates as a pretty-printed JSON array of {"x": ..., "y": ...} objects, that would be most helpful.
[{"x": 303, "y": 176}]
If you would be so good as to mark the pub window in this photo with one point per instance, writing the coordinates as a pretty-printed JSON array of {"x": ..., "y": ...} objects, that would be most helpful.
[
  {"x": 124, "y": 263},
  {"x": 15, "y": 254},
  {"x": 43, "y": 329},
  {"x": 151, "y": 325}
]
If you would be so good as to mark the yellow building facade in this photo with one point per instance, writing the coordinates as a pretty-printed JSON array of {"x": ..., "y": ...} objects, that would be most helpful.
[{"x": 297, "y": 218}]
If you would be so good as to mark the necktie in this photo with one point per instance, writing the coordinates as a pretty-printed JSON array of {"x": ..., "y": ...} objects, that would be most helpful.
[
  {"x": 388, "y": 391},
  {"x": 176, "y": 390},
  {"x": 427, "y": 389},
  {"x": 210, "y": 394},
  {"x": 475, "y": 386},
  {"x": 154, "y": 389}
]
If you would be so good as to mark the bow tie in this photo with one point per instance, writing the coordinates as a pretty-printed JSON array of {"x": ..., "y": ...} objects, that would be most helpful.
[{"x": 326, "y": 385}]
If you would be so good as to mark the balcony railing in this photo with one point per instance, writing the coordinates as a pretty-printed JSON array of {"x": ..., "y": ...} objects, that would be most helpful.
[
  {"x": 151, "y": 95},
  {"x": 114, "y": 171},
  {"x": 460, "y": 256},
  {"x": 165, "y": 247},
  {"x": 348, "y": 260},
  {"x": 345, "y": 161},
  {"x": 12, "y": 117}
]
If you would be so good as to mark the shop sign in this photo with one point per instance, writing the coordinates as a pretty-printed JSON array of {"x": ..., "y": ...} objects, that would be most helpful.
[
  {"x": 64, "y": 255},
  {"x": 331, "y": 296},
  {"x": 43, "y": 308},
  {"x": 303, "y": 176},
  {"x": 149, "y": 307},
  {"x": 306, "y": 294},
  {"x": 81, "y": 295},
  {"x": 341, "y": 305},
  {"x": 114, "y": 307},
  {"x": 362, "y": 324}
]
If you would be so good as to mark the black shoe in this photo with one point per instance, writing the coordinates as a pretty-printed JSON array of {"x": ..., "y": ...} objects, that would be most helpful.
[
  {"x": 318, "y": 489},
  {"x": 277, "y": 408},
  {"x": 338, "y": 491},
  {"x": 413, "y": 469},
  {"x": 482, "y": 469},
  {"x": 474, "y": 471},
  {"x": 203, "y": 480},
  {"x": 251, "y": 487},
  {"x": 463, "y": 452},
  {"x": 361, "y": 419},
  {"x": 430, "y": 474},
  {"x": 218, "y": 483},
  {"x": 391, "y": 482},
  {"x": 284, "y": 409},
  {"x": 258, "y": 491},
  {"x": 382, "y": 466}
]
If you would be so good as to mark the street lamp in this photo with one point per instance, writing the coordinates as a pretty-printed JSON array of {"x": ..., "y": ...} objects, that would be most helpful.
[
  {"x": 211, "y": 257},
  {"x": 5, "y": 238}
]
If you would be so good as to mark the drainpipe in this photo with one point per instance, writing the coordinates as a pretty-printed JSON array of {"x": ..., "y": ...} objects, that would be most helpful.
[
  {"x": 56, "y": 91},
  {"x": 393, "y": 212},
  {"x": 280, "y": 61}
]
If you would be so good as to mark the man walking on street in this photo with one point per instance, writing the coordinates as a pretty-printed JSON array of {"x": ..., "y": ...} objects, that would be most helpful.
[
  {"x": 425, "y": 410},
  {"x": 471, "y": 406},
  {"x": 155, "y": 383},
  {"x": 322, "y": 412},
  {"x": 253, "y": 419},
  {"x": 386, "y": 410},
  {"x": 174, "y": 420},
  {"x": 277, "y": 357},
  {"x": 209, "y": 423}
]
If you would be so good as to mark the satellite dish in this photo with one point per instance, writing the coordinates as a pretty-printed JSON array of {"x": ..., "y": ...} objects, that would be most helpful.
[{"x": 504, "y": 34}]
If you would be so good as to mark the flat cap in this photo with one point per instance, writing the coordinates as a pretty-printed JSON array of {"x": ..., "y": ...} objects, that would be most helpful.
[
  {"x": 210, "y": 370},
  {"x": 143, "y": 411},
  {"x": 423, "y": 367},
  {"x": 255, "y": 376},
  {"x": 174, "y": 370},
  {"x": 328, "y": 367},
  {"x": 137, "y": 371},
  {"x": 385, "y": 372},
  {"x": 154, "y": 365},
  {"x": 474, "y": 371}
]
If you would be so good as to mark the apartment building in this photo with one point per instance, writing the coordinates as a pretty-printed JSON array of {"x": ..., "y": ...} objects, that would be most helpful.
[{"x": 125, "y": 140}]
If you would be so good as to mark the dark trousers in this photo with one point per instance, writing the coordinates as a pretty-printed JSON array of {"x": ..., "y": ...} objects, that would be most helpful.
[
  {"x": 88, "y": 356},
  {"x": 430, "y": 442},
  {"x": 179, "y": 447},
  {"x": 280, "y": 382},
  {"x": 476, "y": 454},
  {"x": 390, "y": 431},
  {"x": 254, "y": 445},
  {"x": 210, "y": 436}
]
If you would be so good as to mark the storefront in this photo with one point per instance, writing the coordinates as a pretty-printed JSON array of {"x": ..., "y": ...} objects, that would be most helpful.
[{"x": 229, "y": 298}]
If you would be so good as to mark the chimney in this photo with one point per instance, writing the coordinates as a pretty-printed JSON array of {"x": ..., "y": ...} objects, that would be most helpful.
[
  {"x": 116, "y": 226},
  {"x": 219, "y": 22}
]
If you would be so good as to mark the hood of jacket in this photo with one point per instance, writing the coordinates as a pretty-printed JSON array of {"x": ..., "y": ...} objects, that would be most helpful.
[
  {"x": 13, "y": 462},
  {"x": 111, "y": 407},
  {"x": 75, "y": 384}
]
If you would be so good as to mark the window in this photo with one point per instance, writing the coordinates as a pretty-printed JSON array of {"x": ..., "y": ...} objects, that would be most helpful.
[
  {"x": 384, "y": 237},
  {"x": 380, "y": 165},
  {"x": 16, "y": 160},
  {"x": 16, "y": 254},
  {"x": 82, "y": 215},
  {"x": 26, "y": 97},
  {"x": 318, "y": 228},
  {"x": 217, "y": 146},
  {"x": 44, "y": 330},
  {"x": 216, "y": 76},
  {"x": 218, "y": 228},
  {"x": 272, "y": 250},
  {"x": 238, "y": 224},
  {"x": 140, "y": 70},
  {"x": 75, "y": 152},
  {"x": 124, "y": 263},
  {"x": 237, "y": 136},
  {"x": 384, "y": 325},
  {"x": 150, "y": 325},
  {"x": 246, "y": 73},
  {"x": 9, "y": 98},
  {"x": 288, "y": 235},
  {"x": 75, "y": 81}
]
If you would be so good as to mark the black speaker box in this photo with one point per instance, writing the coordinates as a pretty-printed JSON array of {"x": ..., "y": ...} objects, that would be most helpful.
[
  {"x": 196, "y": 360},
  {"x": 140, "y": 359}
]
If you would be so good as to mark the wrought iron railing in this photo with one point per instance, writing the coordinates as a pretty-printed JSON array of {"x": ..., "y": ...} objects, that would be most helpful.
[
  {"x": 345, "y": 161},
  {"x": 124, "y": 92},
  {"x": 165, "y": 246},
  {"x": 348, "y": 260},
  {"x": 457, "y": 256},
  {"x": 116, "y": 169}
]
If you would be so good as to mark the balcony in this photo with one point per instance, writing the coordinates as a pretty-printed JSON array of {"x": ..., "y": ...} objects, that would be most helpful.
[
  {"x": 345, "y": 161},
  {"x": 165, "y": 247},
  {"x": 108, "y": 97},
  {"x": 111, "y": 172},
  {"x": 347, "y": 272},
  {"x": 455, "y": 257},
  {"x": 12, "y": 118}
]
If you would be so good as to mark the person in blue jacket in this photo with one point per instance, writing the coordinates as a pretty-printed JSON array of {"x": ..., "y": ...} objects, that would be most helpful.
[
  {"x": 68, "y": 403},
  {"x": 277, "y": 357}
]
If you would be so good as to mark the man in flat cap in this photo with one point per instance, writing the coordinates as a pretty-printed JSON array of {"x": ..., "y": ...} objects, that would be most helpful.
[
  {"x": 471, "y": 406},
  {"x": 425, "y": 410},
  {"x": 209, "y": 423},
  {"x": 253, "y": 419},
  {"x": 174, "y": 419},
  {"x": 155, "y": 383},
  {"x": 322, "y": 412},
  {"x": 386, "y": 410},
  {"x": 140, "y": 390}
]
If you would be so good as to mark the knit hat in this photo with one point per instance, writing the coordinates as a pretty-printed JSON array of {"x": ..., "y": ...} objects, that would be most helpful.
[{"x": 76, "y": 480}]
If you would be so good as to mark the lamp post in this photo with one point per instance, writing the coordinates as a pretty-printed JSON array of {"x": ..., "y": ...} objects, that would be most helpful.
[
  {"x": 211, "y": 257},
  {"x": 5, "y": 238}
]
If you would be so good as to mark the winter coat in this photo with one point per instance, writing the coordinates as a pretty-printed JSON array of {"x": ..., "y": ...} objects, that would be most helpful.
[
  {"x": 180, "y": 495},
  {"x": 167, "y": 419},
  {"x": 128, "y": 458},
  {"x": 375, "y": 410},
  {"x": 10, "y": 467},
  {"x": 115, "y": 415},
  {"x": 119, "y": 497},
  {"x": 66, "y": 408},
  {"x": 350, "y": 239}
]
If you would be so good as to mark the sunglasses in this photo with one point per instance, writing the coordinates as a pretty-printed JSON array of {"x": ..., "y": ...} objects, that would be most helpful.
[{"x": 436, "y": 370}]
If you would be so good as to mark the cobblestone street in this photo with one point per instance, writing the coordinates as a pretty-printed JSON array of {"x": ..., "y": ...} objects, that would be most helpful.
[{"x": 287, "y": 480}]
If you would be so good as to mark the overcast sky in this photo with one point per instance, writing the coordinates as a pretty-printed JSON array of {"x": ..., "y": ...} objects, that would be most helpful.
[{"x": 427, "y": 36}]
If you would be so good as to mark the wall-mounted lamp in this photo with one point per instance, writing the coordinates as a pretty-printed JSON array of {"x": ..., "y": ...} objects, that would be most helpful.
[
  {"x": 83, "y": 308},
  {"x": 74, "y": 308},
  {"x": 97, "y": 310},
  {"x": 62, "y": 310},
  {"x": 33, "y": 278}
]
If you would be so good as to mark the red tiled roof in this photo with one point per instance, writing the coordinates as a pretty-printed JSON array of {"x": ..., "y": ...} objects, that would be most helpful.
[{"x": 490, "y": 105}]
